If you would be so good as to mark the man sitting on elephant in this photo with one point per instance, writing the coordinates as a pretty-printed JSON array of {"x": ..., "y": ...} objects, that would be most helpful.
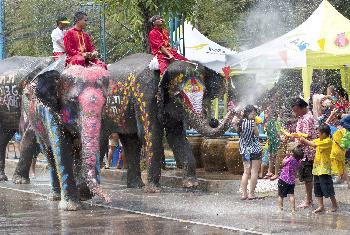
[
  {"x": 160, "y": 44},
  {"x": 78, "y": 44}
]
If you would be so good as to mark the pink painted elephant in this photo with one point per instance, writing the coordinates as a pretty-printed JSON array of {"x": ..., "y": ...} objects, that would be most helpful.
[{"x": 63, "y": 107}]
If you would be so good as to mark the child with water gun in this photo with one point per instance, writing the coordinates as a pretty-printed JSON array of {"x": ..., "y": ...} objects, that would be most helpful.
[{"x": 273, "y": 136}]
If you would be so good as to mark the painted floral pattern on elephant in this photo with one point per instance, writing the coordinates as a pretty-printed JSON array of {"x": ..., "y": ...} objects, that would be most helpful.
[
  {"x": 191, "y": 89},
  {"x": 118, "y": 103}
]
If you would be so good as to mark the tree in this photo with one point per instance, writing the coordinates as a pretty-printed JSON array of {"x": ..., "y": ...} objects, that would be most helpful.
[
  {"x": 28, "y": 24},
  {"x": 138, "y": 12},
  {"x": 219, "y": 20}
]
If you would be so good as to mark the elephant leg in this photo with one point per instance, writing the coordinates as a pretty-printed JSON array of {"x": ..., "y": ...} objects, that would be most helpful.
[
  {"x": 29, "y": 148},
  {"x": 132, "y": 151},
  {"x": 83, "y": 189},
  {"x": 176, "y": 137},
  {"x": 5, "y": 137},
  {"x": 103, "y": 148},
  {"x": 64, "y": 159},
  {"x": 55, "y": 194},
  {"x": 156, "y": 162},
  {"x": 61, "y": 146}
]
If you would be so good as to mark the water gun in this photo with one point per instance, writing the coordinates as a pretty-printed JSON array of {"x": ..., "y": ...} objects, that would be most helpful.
[
  {"x": 296, "y": 135},
  {"x": 258, "y": 120},
  {"x": 345, "y": 141}
]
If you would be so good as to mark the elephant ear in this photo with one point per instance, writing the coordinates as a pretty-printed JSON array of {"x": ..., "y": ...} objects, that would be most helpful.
[
  {"x": 214, "y": 82},
  {"x": 173, "y": 77},
  {"x": 47, "y": 85}
]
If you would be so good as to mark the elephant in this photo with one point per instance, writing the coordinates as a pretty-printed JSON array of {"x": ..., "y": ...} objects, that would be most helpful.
[
  {"x": 63, "y": 107},
  {"x": 134, "y": 113},
  {"x": 15, "y": 72}
]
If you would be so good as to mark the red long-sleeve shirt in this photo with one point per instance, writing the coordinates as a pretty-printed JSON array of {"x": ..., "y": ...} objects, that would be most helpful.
[
  {"x": 160, "y": 37},
  {"x": 77, "y": 42}
]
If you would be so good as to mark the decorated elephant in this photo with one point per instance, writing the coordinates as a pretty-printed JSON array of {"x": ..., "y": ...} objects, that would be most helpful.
[
  {"x": 134, "y": 113},
  {"x": 63, "y": 107},
  {"x": 15, "y": 72}
]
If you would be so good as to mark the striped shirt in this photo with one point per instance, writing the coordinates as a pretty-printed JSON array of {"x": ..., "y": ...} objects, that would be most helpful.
[
  {"x": 248, "y": 142},
  {"x": 307, "y": 125}
]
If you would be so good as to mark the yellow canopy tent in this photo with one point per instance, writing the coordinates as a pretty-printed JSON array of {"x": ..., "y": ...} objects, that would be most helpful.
[
  {"x": 321, "y": 42},
  {"x": 334, "y": 47}
]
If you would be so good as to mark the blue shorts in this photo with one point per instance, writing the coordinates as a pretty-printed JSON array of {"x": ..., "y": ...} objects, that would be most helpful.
[{"x": 252, "y": 156}]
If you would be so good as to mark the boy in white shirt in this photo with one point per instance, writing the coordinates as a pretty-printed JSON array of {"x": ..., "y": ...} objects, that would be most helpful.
[{"x": 57, "y": 37}]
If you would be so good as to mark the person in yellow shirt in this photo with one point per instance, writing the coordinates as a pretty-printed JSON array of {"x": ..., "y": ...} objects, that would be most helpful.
[
  {"x": 323, "y": 184},
  {"x": 338, "y": 157}
]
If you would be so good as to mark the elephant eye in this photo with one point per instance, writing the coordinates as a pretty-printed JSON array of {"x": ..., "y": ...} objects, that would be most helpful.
[{"x": 103, "y": 82}]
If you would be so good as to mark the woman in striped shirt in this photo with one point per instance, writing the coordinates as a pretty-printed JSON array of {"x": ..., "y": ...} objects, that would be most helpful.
[{"x": 250, "y": 149}]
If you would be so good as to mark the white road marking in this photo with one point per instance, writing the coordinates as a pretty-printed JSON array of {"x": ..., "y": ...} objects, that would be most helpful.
[
  {"x": 231, "y": 228},
  {"x": 179, "y": 220}
]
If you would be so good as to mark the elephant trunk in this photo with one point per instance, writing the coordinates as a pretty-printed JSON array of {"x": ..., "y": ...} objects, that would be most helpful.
[
  {"x": 200, "y": 123},
  {"x": 91, "y": 101}
]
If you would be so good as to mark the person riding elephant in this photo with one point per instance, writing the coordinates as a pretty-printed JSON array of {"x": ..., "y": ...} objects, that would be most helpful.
[
  {"x": 15, "y": 72},
  {"x": 132, "y": 112},
  {"x": 159, "y": 42},
  {"x": 78, "y": 44},
  {"x": 80, "y": 51},
  {"x": 64, "y": 108}
]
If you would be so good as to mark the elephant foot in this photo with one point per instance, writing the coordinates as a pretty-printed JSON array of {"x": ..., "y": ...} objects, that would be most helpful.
[
  {"x": 17, "y": 179},
  {"x": 136, "y": 184},
  {"x": 54, "y": 196},
  {"x": 84, "y": 193},
  {"x": 152, "y": 188},
  {"x": 69, "y": 205},
  {"x": 190, "y": 183},
  {"x": 3, "y": 177}
]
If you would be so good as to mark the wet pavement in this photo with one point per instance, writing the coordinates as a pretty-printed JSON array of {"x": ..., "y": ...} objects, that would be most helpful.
[
  {"x": 31, "y": 213},
  {"x": 24, "y": 209}
]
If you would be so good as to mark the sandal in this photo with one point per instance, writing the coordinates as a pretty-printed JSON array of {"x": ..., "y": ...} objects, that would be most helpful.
[
  {"x": 304, "y": 205},
  {"x": 274, "y": 177},
  {"x": 252, "y": 198},
  {"x": 268, "y": 176}
]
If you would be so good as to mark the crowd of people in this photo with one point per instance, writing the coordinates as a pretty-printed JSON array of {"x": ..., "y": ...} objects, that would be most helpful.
[{"x": 306, "y": 142}]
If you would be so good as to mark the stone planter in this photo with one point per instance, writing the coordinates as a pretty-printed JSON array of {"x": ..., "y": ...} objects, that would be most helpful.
[
  {"x": 233, "y": 158},
  {"x": 213, "y": 154},
  {"x": 195, "y": 143}
]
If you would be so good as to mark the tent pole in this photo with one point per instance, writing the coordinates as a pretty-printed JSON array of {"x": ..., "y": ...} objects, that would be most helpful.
[
  {"x": 344, "y": 72},
  {"x": 343, "y": 77},
  {"x": 216, "y": 107},
  {"x": 225, "y": 103},
  {"x": 307, "y": 79}
]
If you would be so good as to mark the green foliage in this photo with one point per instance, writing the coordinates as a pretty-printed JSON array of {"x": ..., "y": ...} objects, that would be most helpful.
[
  {"x": 219, "y": 19},
  {"x": 237, "y": 24},
  {"x": 28, "y": 25},
  {"x": 138, "y": 12}
]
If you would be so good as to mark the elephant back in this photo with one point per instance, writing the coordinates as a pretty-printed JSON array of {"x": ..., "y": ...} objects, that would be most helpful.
[
  {"x": 15, "y": 72},
  {"x": 132, "y": 64},
  {"x": 18, "y": 68}
]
